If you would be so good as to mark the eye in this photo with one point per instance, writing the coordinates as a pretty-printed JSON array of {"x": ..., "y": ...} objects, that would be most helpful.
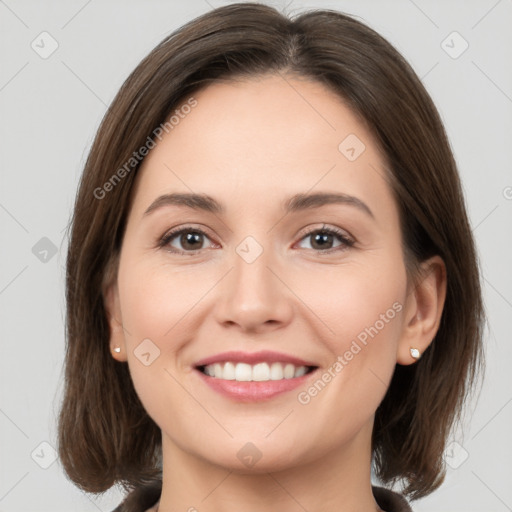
[
  {"x": 191, "y": 240},
  {"x": 323, "y": 239}
]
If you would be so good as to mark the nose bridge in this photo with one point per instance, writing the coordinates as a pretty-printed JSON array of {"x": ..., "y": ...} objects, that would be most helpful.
[
  {"x": 252, "y": 295},
  {"x": 252, "y": 282},
  {"x": 252, "y": 262}
]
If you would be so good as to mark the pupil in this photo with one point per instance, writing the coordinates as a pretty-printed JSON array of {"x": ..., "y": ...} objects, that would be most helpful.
[
  {"x": 325, "y": 237},
  {"x": 190, "y": 238}
]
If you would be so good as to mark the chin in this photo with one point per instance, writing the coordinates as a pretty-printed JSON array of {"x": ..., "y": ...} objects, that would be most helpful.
[{"x": 253, "y": 457}]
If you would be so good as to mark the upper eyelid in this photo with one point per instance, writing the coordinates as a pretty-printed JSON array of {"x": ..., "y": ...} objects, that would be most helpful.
[
  {"x": 303, "y": 232},
  {"x": 189, "y": 227},
  {"x": 325, "y": 227}
]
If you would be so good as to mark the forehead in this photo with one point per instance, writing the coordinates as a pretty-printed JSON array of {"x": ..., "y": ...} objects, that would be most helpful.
[{"x": 265, "y": 138}]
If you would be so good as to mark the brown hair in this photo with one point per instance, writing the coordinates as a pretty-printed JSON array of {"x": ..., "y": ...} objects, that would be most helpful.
[{"x": 105, "y": 434}]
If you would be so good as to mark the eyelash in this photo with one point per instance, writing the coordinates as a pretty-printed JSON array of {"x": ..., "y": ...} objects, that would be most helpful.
[{"x": 166, "y": 239}]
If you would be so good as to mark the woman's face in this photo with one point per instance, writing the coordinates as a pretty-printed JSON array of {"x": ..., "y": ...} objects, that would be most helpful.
[{"x": 260, "y": 267}]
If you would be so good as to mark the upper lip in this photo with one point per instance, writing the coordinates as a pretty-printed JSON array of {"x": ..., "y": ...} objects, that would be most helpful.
[{"x": 264, "y": 356}]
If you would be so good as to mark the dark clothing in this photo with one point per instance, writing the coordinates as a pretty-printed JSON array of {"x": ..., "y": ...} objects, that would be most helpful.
[{"x": 390, "y": 501}]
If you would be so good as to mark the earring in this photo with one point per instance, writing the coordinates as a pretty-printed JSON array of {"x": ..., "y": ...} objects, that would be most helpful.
[
  {"x": 415, "y": 353},
  {"x": 117, "y": 349}
]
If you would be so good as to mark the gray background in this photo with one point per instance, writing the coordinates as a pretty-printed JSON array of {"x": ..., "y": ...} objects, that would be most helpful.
[{"x": 50, "y": 109}]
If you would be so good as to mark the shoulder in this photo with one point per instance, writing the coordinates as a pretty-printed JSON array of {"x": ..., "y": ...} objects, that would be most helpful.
[{"x": 390, "y": 501}]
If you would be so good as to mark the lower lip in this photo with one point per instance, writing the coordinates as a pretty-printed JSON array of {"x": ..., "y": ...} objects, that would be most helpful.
[{"x": 253, "y": 391}]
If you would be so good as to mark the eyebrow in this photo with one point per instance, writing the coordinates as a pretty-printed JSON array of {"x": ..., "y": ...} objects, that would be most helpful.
[{"x": 297, "y": 202}]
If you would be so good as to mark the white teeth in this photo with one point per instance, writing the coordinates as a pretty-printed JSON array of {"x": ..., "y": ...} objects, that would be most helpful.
[
  {"x": 276, "y": 371},
  {"x": 289, "y": 371},
  {"x": 260, "y": 372},
  {"x": 229, "y": 371},
  {"x": 300, "y": 371},
  {"x": 243, "y": 372},
  {"x": 217, "y": 371}
]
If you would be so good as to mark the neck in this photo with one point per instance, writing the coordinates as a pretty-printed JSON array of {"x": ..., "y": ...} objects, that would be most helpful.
[{"x": 338, "y": 481}]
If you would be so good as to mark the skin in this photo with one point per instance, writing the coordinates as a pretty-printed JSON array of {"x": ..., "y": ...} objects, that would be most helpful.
[{"x": 252, "y": 144}]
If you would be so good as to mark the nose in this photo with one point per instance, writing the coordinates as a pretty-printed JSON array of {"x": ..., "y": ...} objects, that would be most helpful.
[{"x": 254, "y": 296}]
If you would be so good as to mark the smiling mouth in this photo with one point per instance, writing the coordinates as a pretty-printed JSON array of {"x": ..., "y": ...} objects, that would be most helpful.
[{"x": 260, "y": 372}]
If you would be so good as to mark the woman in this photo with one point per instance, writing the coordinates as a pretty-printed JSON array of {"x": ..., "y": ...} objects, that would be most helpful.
[{"x": 272, "y": 284}]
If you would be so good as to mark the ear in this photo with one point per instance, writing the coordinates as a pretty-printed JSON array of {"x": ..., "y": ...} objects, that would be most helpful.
[
  {"x": 113, "y": 311},
  {"x": 423, "y": 310}
]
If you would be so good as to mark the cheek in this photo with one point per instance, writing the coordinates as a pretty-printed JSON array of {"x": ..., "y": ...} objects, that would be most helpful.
[
  {"x": 357, "y": 303},
  {"x": 155, "y": 306},
  {"x": 361, "y": 314},
  {"x": 163, "y": 308},
  {"x": 155, "y": 300},
  {"x": 368, "y": 318}
]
